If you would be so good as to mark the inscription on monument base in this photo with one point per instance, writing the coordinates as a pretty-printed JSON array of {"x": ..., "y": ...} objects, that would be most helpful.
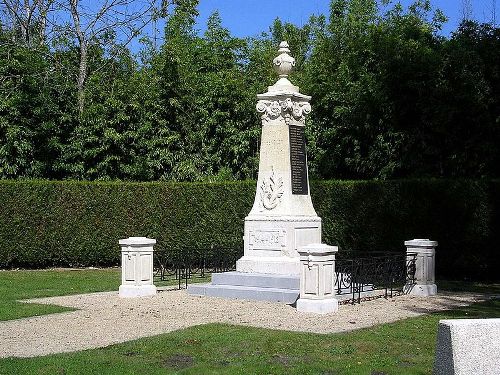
[
  {"x": 298, "y": 160},
  {"x": 273, "y": 239}
]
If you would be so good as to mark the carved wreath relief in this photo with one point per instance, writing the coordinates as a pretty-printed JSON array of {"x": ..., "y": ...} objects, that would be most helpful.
[
  {"x": 271, "y": 191},
  {"x": 286, "y": 110}
]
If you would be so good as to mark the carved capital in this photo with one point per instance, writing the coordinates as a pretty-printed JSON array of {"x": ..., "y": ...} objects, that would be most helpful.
[{"x": 284, "y": 110}]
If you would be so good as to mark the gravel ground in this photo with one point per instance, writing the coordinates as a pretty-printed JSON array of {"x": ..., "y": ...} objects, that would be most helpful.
[{"x": 103, "y": 319}]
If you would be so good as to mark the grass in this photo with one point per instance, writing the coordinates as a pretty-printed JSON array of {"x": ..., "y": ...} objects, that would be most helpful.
[
  {"x": 19, "y": 285},
  {"x": 404, "y": 347}
]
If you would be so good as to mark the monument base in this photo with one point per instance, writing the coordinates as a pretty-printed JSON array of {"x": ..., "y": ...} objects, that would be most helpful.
[
  {"x": 271, "y": 243},
  {"x": 320, "y": 306},
  {"x": 424, "y": 290},
  {"x": 132, "y": 291},
  {"x": 280, "y": 265}
]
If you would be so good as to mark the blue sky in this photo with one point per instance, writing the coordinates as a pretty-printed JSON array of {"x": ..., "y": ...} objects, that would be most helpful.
[{"x": 251, "y": 17}]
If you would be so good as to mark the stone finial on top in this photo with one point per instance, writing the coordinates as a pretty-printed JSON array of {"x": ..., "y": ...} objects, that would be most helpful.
[
  {"x": 284, "y": 63},
  {"x": 283, "y": 101}
]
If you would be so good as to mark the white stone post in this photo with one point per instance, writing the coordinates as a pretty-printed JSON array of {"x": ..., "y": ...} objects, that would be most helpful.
[
  {"x": 137, "y": 267},
  {"x": 424, "y": 252},
  {"x": 317, "y": 289}
]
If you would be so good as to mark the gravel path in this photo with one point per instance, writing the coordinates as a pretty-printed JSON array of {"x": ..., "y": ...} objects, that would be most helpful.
[{"x": 103, "y": 319}]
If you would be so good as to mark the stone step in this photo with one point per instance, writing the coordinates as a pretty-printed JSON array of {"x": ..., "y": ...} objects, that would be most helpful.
[
  {"x": 260, "y": 287},
  {"x": 260, "y": 280},
  {"x": 287, "y": 296}
]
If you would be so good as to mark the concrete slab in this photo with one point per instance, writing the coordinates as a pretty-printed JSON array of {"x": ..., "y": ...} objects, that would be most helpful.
[{"x": 468, "y": 347}]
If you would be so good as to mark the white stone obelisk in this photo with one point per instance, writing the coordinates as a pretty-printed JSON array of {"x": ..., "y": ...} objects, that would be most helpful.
[{"x": 283, "y": 218}]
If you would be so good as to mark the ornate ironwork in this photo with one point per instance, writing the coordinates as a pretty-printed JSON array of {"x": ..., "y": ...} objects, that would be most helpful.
[
  {"x": 183, "y": 266},
  {"x": 367, "y": 276},
  {"x": 358, "y": 276}
]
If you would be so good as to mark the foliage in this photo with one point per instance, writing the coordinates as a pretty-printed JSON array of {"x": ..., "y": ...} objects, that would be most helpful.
[
  {"x": 391, "y": 97},
  {"x": 379, "y": 216},
  {"x": 34, "y": 107},
  {"x": 403, "y": 347},
  {"x": 79, "y": 224},
  {"x": 46, "y": 224}
]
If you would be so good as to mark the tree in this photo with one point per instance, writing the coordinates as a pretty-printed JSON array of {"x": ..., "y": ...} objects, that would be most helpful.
[
  {"x": 101, "y": 25},
  {"x": 27, "y": 19},
  {"x": 466, "y": 10},
  {"x": 34, "y": 107},
  {"x": 391, "y": 97},
  {"x": 469, "y": 102}
]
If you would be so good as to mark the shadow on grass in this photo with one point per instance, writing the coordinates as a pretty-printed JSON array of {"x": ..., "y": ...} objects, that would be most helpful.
[
  {"x": 483, "y": 310},
  {"x": 468, "y": 286}
]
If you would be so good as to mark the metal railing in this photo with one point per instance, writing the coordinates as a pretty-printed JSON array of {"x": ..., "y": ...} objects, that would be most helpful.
[
  {"x": 358, "y": 276},
  {"x": 373, "y": 275},
  {"x": 170, "y": 266}
]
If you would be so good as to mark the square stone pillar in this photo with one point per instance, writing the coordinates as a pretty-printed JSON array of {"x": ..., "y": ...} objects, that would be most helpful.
[
  {"x": 317, "y": 292},
  {"x": 424, "y": 250},
  {"x": 137, "y": 267}
]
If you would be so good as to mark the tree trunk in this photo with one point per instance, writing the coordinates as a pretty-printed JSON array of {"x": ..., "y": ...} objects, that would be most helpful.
[
  {"x": 82, "y": 76},
  {"x": 44, "y": 10},
  {"x": 82, "y": 69}
]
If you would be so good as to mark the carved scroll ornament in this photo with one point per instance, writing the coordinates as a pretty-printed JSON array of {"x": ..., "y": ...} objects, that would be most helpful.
[{"x": 283, "y": 110}]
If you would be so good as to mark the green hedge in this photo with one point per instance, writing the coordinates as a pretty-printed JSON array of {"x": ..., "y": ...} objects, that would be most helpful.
[
  {"x": 45, "y": 224},
  {"x": 463, "y": 216}
]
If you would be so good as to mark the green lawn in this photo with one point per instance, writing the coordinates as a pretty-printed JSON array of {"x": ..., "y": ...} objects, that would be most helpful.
[
  {"x": 26, "y": 284},
  {"x": 16, "y": 285},
  {"x": 404, "y": 347}
]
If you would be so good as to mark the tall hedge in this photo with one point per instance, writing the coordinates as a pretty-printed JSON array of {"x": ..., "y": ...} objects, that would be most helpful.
[
  {"x": 463, "y": 216},
  {"x": 45, "y": 224}
]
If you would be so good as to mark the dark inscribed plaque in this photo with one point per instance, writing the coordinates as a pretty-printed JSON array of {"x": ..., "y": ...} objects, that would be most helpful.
[{"x": 298, "y": 160}]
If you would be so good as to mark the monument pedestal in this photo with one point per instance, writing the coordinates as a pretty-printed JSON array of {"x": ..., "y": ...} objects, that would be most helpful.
[
  {"x": 271, "y": 243},
  {"x": 137, "y": 267},
  {"x": 424, "y": 251},
  {"x": 317, "y": 279}
]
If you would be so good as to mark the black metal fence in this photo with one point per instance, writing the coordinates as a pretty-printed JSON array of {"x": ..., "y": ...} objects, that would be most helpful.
[
  {"x": 183, "y": 266},
  {"x": 368, "y": 276},
  {"x": 359, "y": 276}
]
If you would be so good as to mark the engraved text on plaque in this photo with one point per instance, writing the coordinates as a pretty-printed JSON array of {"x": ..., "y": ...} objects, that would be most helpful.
[{"x": 298, "y": 160}]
